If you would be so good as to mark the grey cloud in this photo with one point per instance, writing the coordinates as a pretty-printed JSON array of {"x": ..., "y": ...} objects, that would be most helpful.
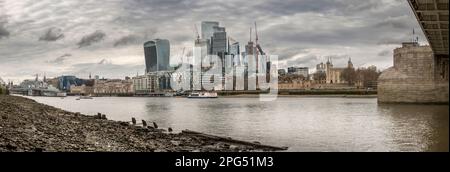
[
  {"x": 306, "y": 61},
  {"x": 134, "y": 39},
  {"x": 397, "y": 23},
  {"x": 60, "y": 59},
  {"x": 3, "y": 32},
  {"x": 384, "y": 52},
  {"x": 126, "y": 40},
  {"x": 104, "y": 61},
  {"x": 338, "y": 57},
  {"x": 287, "y": 53},
  {"x": 52, "y": 34},
  {"x": 283, "y": 30},
  {"x": 66, "y": 55},
  {"x": 289, "y": 7},
  {"x": 87, "y": 40}
]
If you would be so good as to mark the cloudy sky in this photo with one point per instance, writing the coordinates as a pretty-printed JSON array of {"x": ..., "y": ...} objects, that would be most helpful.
[{"x": 104, "y": 37}]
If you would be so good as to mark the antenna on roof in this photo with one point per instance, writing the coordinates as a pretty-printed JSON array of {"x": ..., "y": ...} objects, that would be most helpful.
[
  {"x": 250, "y": 34},
  {"x": 196, "y": 32},
  {"x": 256, "y": 34}
]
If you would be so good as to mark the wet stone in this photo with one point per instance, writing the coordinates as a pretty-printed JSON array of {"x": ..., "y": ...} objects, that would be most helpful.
[{"x": 27, "y": 129}]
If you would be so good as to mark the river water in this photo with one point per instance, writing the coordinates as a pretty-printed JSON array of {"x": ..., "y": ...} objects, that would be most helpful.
[{"x": 301, "y": 123}]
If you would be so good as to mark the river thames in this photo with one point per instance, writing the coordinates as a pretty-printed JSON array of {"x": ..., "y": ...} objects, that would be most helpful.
[{"x": 301, "y": 123}]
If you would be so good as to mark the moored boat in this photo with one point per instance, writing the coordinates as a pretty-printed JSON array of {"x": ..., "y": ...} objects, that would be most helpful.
[{"x": 201, "y": 95}]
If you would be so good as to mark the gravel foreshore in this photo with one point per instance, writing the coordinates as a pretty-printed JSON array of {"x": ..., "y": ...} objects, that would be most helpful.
[{"x": 26, "y": 125}]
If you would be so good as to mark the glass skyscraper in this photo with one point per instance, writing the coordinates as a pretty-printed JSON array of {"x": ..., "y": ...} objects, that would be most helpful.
[
  {"x": 219, "y": 43},
  {"x": 157, "y": 53},
  {"x": 235, "y": 53},
  {"x": 208, "y": 29}
]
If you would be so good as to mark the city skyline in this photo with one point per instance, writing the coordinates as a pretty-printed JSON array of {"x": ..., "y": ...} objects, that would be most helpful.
[{"x": 71, "y": 42}]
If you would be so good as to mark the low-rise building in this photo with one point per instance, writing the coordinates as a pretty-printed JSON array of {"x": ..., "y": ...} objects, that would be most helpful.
[
  {"x": 295, "y": 84},
  {"x": 113, "y": 87},
  {"x": 303, "y": 71},
  {"x": 81, "y": 90},
  {"x": 152, "y": 82}
]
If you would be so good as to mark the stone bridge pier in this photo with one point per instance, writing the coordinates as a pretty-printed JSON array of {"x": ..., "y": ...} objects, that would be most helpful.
[
  {"x": 420, "y": 73},
  {"x": 418, "y": 76}
]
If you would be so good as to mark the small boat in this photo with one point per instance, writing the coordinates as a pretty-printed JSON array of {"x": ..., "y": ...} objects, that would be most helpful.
[{"x": 202, "y": 95}]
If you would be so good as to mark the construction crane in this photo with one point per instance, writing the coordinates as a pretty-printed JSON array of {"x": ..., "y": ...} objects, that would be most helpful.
[
  {"x": 250, "y": 35},
  {"x": 196, "y": 32},
  {"x": 260, "y": 51},
  {"x": 256, "y": 34}
]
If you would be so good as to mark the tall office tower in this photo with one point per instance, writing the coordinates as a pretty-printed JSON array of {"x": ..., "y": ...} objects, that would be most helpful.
[
  {"x": 250, "y": 48},
  {"x": 157, "y": 54},
  {"x": 235, "y": 58},
  {"x": 208, "y": 29},
  {"x": 219, "y": 48},
  {"x": 199, "y": 62},
  {"x": 219, "y": 42},
  {"x": 250, "y": 51},
  {"x": 235, "y": 53}
]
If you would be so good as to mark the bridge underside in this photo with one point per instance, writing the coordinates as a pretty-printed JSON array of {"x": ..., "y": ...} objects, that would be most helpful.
[{"x": 432, "y": 16}]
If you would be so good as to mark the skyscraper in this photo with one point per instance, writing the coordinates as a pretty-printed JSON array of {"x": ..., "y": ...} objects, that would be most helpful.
[
  {"x": 235, "y": 53},
  {"x": 157, "y": 53},
  {"x": 219, "y": 42},
  {"x": 208, "y": 29}
]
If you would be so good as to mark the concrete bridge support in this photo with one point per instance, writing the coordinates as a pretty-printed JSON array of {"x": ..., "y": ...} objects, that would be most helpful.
[{"x": 418, "y": 76}]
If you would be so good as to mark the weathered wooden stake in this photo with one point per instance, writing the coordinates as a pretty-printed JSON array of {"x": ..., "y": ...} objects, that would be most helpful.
[
  {"x": 133, "y": 120},
  {"x": 144, "y": 123},
  {"x": 155, "y": 125}
]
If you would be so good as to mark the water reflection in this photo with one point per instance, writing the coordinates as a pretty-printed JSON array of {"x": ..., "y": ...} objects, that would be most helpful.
[
  {"x": 418, "y": 127},
  {"x": 302, "y": 124}
]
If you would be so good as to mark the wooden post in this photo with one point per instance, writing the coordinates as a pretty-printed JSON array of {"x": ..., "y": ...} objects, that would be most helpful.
[
  {"x": 133, "y": 120},
  {"x": 144, "y": 123},
  {"x": 155, "y": 125}
]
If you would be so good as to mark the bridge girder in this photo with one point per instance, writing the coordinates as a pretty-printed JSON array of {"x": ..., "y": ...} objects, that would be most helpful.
[{"x": 432, "y": 16}]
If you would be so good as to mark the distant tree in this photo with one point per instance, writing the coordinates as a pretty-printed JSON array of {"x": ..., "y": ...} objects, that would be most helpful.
[
  {"x": 349, "y": 75},
  {"x": 289, "y": 78},
  {"x": 367, "y": 75},
  {"x": 320, "y": 76},
  {"x": 3, "y": 90}
]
